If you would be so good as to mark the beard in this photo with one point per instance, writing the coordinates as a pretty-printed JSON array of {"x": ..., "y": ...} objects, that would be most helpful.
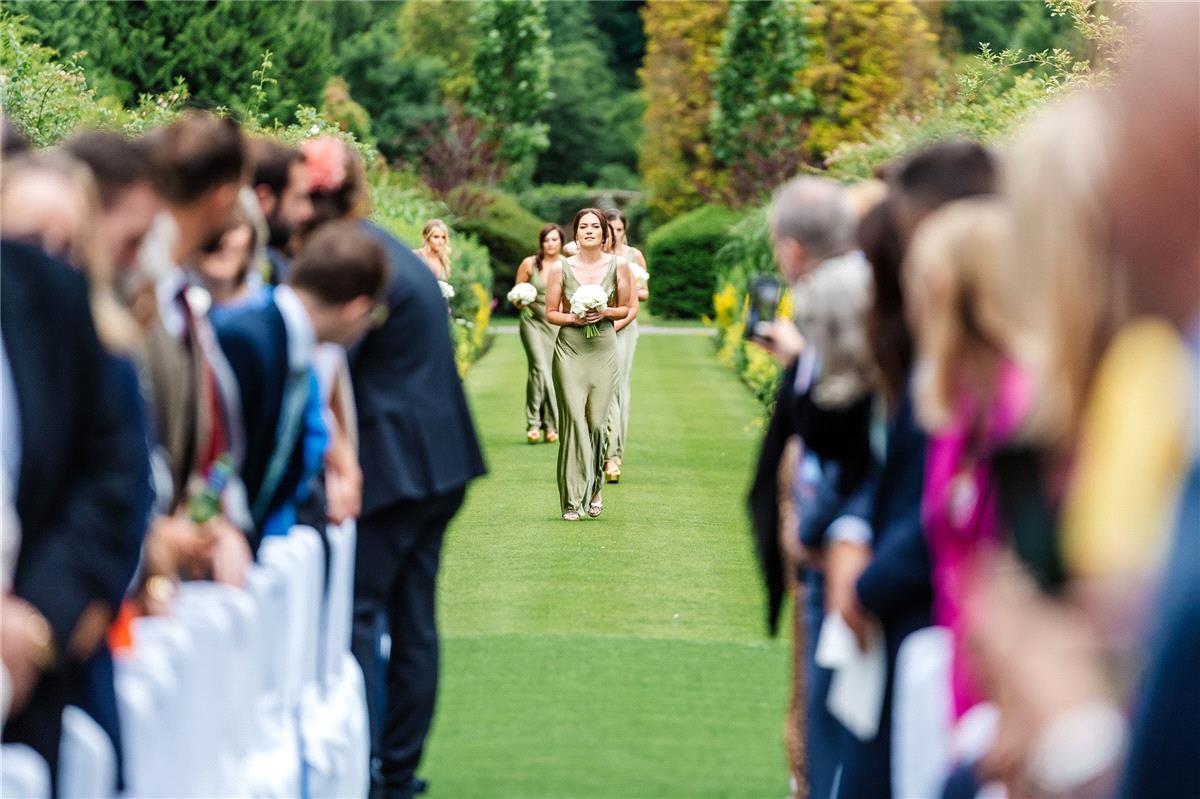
[{"x": 279, "y": 232}]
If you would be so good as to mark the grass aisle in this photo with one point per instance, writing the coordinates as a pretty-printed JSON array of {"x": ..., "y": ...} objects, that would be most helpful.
[{"x": 622, "y": 657}]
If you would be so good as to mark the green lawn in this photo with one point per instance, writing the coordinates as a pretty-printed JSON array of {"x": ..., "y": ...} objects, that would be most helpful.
[{"x": 619, "y": 657}]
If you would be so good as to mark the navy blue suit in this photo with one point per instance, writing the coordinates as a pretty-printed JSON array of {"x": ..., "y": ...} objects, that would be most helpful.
[
  {"x": 418, "y": 451},
  {"x": 895, "y": 588},
  {"x": 1164, "y": 758},
  {"x": 255, "y": 342},
  {"x": 83, "y": 488}
]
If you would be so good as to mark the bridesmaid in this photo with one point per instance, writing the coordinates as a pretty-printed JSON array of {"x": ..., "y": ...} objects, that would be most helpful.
[
  {"x": 627, "y": 336},
  {"x": 538, "y": 336},
  {"x": 435, "y": 249},
  {"x": 585, "y": 369}
]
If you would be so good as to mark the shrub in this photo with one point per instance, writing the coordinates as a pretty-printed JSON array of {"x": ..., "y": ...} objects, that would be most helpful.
[
  {"x": 501, "y": 225},
  {"x": 558, "y": 202},
  {"x": 682, "y": 259}
]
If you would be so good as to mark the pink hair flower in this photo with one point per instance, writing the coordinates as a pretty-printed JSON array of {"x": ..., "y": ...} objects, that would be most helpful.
[{"x": 325, "y": 158}]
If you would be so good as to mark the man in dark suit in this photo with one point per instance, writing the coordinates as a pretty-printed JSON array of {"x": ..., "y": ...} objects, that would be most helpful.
[
  {"x": 418, "y": 452},
  {"x": 81, "y": 478},
  {"x": 334, "y": 288}
]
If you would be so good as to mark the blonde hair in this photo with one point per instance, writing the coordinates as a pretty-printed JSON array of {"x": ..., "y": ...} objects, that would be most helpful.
[
  {"x": 1054, "y": 178},
  {"x": 865, "y": 195},
  {"x": 114, "y": 325},
  {"x": 964, "y": 307},
  {"x": 444, "y": 254}
]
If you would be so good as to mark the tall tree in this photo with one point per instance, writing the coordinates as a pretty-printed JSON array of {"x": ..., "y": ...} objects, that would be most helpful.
[
  {"x": 511, "y": 66},
  {"x": 624, "y": 37},
  {"x": 443, "y": 30},
  {"x": 141, "y": 47},
  {"x": 674, "y": 159},
  {"x": 589, "y": 124},
  {"x": 870, "y": 58},
  {"x": 759, "y": 106}
]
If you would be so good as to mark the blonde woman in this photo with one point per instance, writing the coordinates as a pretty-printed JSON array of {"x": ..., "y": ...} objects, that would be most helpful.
[{"x": 435, "y": 249}]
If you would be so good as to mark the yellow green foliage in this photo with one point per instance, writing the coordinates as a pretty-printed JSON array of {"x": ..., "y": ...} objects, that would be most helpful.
[
  {"x": 342, "y": 110},
  {"x": 870, "y": 59},
  {"x": 682, "y": 39},
  {"x": 756, "y": 368}
]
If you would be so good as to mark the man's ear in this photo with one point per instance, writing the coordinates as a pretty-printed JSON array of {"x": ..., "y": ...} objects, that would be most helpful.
[{"x": 266, "y": 198}]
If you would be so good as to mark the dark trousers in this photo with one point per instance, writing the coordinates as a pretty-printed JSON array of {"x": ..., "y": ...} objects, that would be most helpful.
[
  {"x": 39, "y": 724},
  {"x": 824, "y": 734},
  {"x": 399, "y": 549}
]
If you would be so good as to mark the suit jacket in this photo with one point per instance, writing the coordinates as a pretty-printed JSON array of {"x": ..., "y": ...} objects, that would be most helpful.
[
  {"x": 416, "y": 437},
  {"x": 255, "y": 342},
  {"x": 840, "y": 439},
  {"x": 83, "y": 488},
  {"x": 1164, "y": 756}
]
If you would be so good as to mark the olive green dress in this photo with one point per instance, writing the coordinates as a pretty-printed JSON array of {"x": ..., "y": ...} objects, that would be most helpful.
[
  {"x": 618, "y": 415},
  {"x": 585, "y": 378},
  {"x": 538, "y": 336}
]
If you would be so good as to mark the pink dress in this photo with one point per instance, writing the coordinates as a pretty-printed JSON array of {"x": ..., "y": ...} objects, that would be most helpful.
[{"x": 959, "y": 507}]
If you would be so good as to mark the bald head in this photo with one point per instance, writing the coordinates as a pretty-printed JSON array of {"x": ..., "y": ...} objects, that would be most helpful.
[{"x": 811, "y": 219}]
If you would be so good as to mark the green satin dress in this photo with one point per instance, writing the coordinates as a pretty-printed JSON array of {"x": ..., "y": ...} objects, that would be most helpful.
[
  {"x": 618, "y": 415},
  {"x": 585, "y": 378},
  {"x": 538, "y": 337}
]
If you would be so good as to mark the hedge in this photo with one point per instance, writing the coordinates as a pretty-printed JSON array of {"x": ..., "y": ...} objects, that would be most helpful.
[
  {"x": 500, "y": 224},
  {"x": 682, "y": 259}
]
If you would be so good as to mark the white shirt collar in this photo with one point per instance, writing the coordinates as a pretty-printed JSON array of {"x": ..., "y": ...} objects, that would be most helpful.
[{"x": 302, "y": 337}]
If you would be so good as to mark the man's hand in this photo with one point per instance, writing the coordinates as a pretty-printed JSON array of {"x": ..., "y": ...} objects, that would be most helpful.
[
  {"x": 844, "y": 562},
  {"x": 781, "y": 338},
  {"x": 25, "y": 641},
  {"x": 230, "y": 556},
  {"x": 343, "y": 483}
]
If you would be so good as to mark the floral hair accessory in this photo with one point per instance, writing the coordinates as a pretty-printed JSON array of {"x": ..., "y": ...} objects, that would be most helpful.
[{"x": 325, "y": 158}]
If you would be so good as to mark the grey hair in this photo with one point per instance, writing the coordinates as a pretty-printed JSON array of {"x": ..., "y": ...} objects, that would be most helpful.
[{"x": 817, "y": 213}]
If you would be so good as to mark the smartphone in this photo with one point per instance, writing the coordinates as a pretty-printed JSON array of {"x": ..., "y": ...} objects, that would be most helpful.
[{"x": 765, "y": 292}]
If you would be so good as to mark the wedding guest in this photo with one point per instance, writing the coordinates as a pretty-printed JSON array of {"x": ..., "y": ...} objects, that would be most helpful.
[
  {"x": 226, "y": 265},
  {"x": 888, "y": 580},
  {"x": 824, "y": 400},
  {"x": 198, "y": 163},
  {"x": 333, "y": 291},
  {"x": 416, "y": 464},
  {"x": 78, "y": 449},
  {"x": 128, "y": 200},
  {"x": 281, "y": 184}
]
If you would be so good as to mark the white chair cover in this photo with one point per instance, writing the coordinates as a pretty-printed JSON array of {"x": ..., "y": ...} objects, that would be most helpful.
[
  {"x": 922, "y": 714},
  {"x": 23, "y": 773},
  {"x": 87, "y": 761}
]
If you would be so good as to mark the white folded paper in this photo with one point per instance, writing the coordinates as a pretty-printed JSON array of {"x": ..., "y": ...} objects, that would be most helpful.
[{"x": 859, "y": 678}]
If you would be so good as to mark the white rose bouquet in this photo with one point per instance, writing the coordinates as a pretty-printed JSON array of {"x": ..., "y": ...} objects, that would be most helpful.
[
  {"x": 640, "y": 276},
  {"x": 447, "y": 290},
  {"x": 589, "y": 298},
  {"x": 522, "y": 296}
]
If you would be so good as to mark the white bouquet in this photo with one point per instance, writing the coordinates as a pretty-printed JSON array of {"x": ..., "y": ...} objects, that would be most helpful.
[
  {"x": 523, "y": 295},
  {"x": 447, "y": 290},
  {"x": 589, "y": 298},
  {"x": 640, "y": 276}
]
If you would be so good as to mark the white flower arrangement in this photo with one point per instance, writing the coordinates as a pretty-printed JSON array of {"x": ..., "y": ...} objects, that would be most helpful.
[
  {"x": 589, "y": 298},
  {"x": 447, "y": 290},
  {"x": 522, "y": 296}
]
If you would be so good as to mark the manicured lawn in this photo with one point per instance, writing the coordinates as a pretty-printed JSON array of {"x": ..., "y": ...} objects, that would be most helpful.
[{"x": 621, "y": 657}]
